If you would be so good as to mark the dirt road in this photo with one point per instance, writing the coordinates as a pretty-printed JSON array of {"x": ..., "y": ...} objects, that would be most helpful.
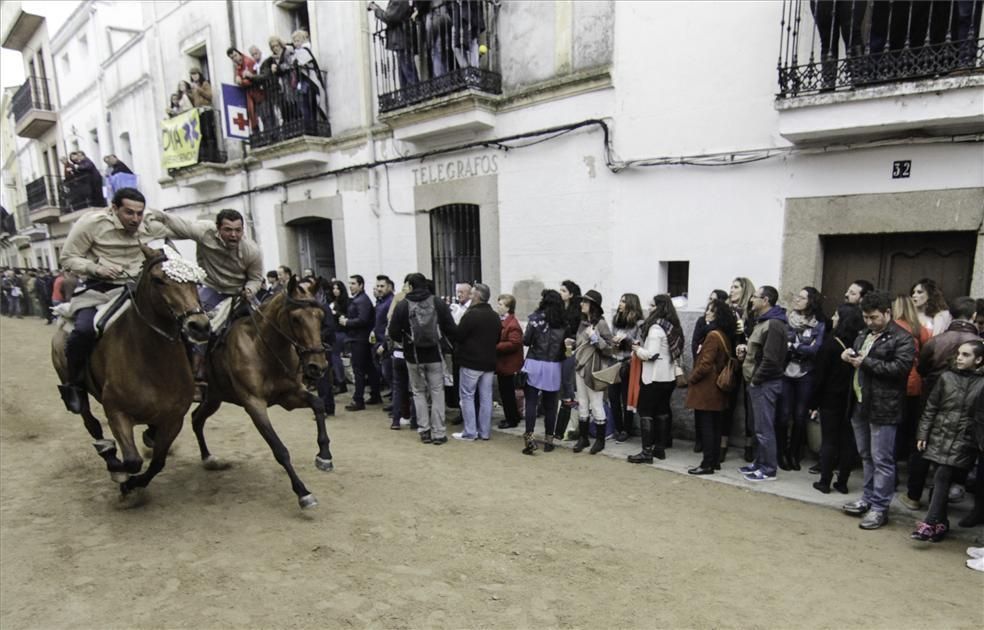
[{"x": 412, "y": 535}]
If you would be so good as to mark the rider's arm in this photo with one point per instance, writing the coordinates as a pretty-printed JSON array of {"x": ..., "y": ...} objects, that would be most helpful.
[
  {"x": 254, "y": 272},
  {"x": 178, "y": 227}
]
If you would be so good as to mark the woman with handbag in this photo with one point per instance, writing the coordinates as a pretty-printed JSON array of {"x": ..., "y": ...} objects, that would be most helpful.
[
  {"x": 593, "y": 347},
  {"x": 705, "y": 395},
  {"x": 545, "y": 338},
  {"x": 570, "y": 293},
  {"x": 659, "y": 348},
  {"x": 509, "y": 359}
]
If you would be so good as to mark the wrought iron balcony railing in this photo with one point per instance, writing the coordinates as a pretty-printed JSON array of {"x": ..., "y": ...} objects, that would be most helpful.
[
  {"x": 450, "y": 47},
  {"x": 285, "y": 105},
  {"x": 34, "y": 94},
  {"x": 826, "y": 45},
  {"x": 45, "y": 192}
]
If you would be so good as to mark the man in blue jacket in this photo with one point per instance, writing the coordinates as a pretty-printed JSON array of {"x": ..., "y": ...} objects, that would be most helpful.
[
  {"x": 383, "y": 360},
  {"x": 358, "y": 322}
]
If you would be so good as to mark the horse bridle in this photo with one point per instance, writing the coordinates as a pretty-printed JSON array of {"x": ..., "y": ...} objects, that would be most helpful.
[
  {"x": 301, "y": 350},
  {"x": 179, "y": 319}
]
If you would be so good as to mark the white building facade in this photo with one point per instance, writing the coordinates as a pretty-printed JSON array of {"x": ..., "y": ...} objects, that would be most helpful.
[{"x": 605, "y": 142}]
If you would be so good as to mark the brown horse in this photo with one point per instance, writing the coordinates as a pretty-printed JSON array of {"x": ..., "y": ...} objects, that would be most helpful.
[
  {"x": 140, "y": 371},
  {"x": 273, "y": 357}
]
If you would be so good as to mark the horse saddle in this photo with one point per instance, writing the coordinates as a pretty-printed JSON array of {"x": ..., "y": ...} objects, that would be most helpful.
[{"x": 109, "y": 307}]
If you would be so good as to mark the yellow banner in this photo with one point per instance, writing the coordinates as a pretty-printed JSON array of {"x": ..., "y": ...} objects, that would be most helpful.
[{"x": 180, "y": 138}]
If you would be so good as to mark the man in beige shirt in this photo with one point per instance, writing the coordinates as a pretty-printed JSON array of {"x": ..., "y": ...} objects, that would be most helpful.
[
  {"x": 103, "y": 249},
  {"x": 232, "y": 262}
]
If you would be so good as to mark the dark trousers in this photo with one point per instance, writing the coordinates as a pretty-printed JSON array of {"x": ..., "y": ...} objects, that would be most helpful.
[
  {"x": 710, "y": 434},
  {"x": 617, "y": 393},
  {"x": 918, "y": 472},
  {"x": 364, "y": 369},
  {"x": 533, "y": 396},
  {"x": 905, "y": 439},
  {"x": 796, "y": 393},
  {"x": 80, "y": 344},
  {"x": 507, "y": 394},
  {"x": 836, "y": 444},
  {"x": 401, "y": 389},
  {"x": 337, "y": 366},
  {"x": 941, "y": 491}
]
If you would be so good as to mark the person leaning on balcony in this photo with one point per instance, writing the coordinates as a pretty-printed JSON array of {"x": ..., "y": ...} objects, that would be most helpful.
[
  {"x": 245, "y": 71},
  {"x": 274, "y": 75},
  {"x": 201, "y": 91},
  {"x": 399, "y": 36},
  {"x": 93, "y": 178},
  {"x": 180, "y": 101},
  {"x": 311, "y": 92}
]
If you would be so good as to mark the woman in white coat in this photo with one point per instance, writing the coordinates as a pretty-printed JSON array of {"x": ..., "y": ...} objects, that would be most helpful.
[{"x": 660, "y": 347}]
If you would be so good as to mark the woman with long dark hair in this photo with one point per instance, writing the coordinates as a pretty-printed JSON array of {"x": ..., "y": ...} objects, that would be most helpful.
[
  {"x": 626, "y": 330},
  {"x": 545, "y": 338},
  {"x": 338, "y": 301},
  {"x": 807, "y": 326},
  {"x": 661, "y": 345},
  {"x": 739, "y": 295},
  {"x": 570, "y": 295},
  {"x": 703, "y": 395},
  {"x": 700, "y": 331},
  {"x": 832, "y": 379},
  {"x": 931, "y": 305}
]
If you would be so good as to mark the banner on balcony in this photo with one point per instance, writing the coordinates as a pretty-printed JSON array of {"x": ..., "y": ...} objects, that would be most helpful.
[
  {"x": 235, "y": 113},
  {"x": 181, "y": 137}
]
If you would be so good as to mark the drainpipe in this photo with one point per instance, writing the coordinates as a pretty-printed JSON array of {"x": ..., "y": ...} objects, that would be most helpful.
[{"x": 368, "y": 121}]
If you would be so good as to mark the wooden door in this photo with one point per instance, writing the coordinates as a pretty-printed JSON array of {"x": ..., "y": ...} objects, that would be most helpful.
[{"x": 894, "y": 262}]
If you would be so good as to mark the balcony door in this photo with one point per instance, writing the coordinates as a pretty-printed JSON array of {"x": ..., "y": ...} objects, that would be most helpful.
[{"x": 895, "y": 262}]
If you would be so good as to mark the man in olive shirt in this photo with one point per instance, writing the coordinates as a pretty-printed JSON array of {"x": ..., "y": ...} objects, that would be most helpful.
[
  {"x": 232, "y": 262},
  {"x": 103, "y": 249}
]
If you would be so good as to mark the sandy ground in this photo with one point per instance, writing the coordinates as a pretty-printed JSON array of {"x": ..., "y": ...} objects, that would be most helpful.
[{"x": 413, "y": 535}]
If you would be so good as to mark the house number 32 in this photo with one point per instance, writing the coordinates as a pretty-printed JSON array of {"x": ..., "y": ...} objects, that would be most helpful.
[{"x": 901, "y": 169}]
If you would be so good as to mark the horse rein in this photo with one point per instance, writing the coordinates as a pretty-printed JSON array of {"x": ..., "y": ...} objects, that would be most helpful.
[
  {"x": 178, "y": 318},
  {"x": 302, "y": 351}
]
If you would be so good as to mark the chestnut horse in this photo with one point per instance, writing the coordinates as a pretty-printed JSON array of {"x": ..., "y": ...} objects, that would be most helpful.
[
  {"x": 273, "y": 357},
  {"x": 140, "y": 371}
]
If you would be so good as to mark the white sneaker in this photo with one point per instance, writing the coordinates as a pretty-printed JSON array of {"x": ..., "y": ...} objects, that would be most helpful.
[
  {"x": 977, "y": 564},
  {"x": 404, "y": 422},
  {"x": 956, "y": 494},
  {"x": 975, "y": 552},
  {"x": 463, "y": 437}
]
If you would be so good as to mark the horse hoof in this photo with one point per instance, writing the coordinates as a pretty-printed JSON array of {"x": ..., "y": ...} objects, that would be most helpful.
[
  {"x": 214, "y": 463},
  {"x": 307, "y": 501},
  {"x": 104, "y": 447},
  {"x": 119, "y": 477},
  {"x": 323, "y": 464}
]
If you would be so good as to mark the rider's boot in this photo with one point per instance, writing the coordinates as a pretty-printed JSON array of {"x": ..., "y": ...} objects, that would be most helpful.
[
  {"x": 77, "y": 350},
  {"x": 201, "y": 378}
]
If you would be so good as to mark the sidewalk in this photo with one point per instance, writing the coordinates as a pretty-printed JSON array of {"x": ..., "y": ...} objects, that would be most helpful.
[{"x": 796, "y": 485}]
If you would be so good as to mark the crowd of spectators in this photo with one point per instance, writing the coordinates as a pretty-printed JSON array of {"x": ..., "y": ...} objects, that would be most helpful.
[{"x": 32, "y": 292}]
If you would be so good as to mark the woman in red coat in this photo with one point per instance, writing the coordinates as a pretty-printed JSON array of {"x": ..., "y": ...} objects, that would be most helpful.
[
  {"x": 704, "y": 396},
  {"x": 509, "y": 359}
]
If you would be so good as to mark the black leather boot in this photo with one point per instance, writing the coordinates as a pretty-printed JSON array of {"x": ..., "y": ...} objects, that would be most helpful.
[
  {"x": 77, "y": 350},
  {"x": 582, "y": 438},
  {"x": 529, "y": 444},
  {"x": 660, "y": 431},
  {"x": 646, "y": 455},
  {"x": 563, "y": 419},
  {"x": 599, "y": 443}
]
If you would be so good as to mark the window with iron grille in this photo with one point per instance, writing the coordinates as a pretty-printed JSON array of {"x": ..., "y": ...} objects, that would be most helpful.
[{"x": 456, "y": 252}]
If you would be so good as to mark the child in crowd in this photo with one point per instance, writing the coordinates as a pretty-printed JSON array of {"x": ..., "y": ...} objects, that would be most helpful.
[{"x": 946, "y": 433}]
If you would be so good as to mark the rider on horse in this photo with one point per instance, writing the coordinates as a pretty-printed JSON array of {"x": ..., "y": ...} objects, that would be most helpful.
[
  {"x": 232, "y": 262},
  {"x": 103, "y": 249}
]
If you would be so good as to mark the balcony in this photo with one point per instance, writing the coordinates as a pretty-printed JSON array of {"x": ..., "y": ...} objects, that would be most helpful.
[
  {"x": 45, "y": 199},
  {"x": 854, "y": 70},
  {"x": 421, "y": 62},
  {"x": 203, "y": 168},
  {"x": 34, "y": 113}
]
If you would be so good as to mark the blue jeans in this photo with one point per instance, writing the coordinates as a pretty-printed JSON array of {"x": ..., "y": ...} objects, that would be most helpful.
[
  {"x": 876, "y": 446},
  {"x": 765, "y": 399},
  {"x": 796, "y": 395},
  {"x": 210, "y": 298},
  {"x": 472, "y": 383}
]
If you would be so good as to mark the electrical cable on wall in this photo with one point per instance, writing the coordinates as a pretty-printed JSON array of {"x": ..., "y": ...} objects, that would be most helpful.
[{"x": 723, "y": 158}]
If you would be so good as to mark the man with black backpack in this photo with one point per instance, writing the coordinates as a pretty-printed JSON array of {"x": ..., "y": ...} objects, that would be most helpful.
[{"x": 420, "y": 321}]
